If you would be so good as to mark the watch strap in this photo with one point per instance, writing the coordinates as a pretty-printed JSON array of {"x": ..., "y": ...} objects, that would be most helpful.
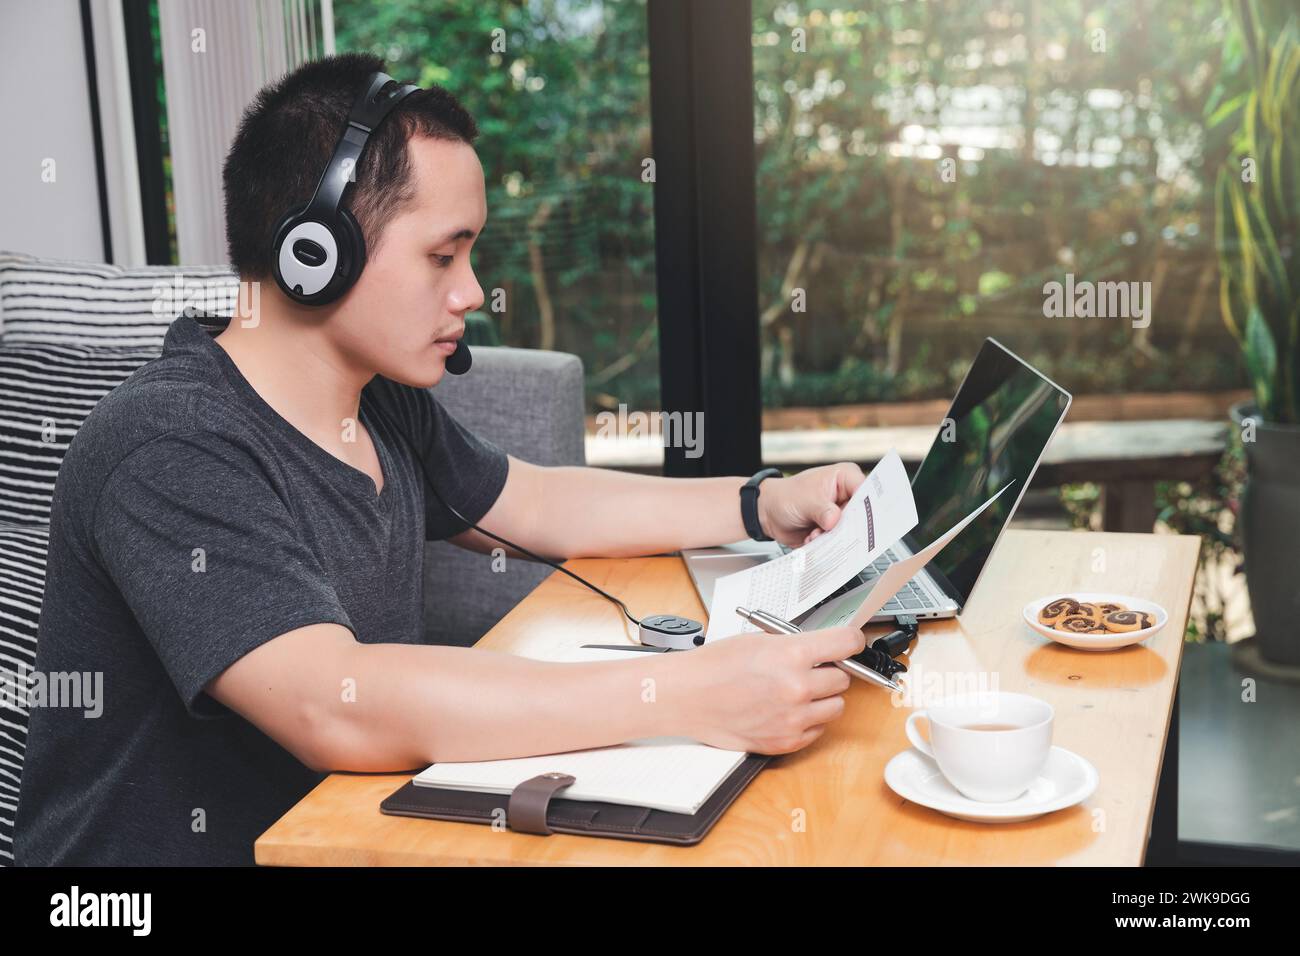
[{"x": 749, "y": 503}]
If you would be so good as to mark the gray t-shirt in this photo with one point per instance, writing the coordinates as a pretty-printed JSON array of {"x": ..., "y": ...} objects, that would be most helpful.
[{"x": 192, "y": 523}]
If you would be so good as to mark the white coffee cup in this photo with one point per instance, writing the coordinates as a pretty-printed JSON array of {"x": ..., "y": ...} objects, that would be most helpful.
[{"x": 992, "y": 766}]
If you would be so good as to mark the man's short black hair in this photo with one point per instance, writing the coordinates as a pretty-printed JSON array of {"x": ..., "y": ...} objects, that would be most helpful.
[{"x": 287, "y": 134}]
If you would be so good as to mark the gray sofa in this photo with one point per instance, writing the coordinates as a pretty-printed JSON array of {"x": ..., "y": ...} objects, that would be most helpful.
[
  {"x": 530, "y": 404},
  {"x": 71, "y": 331}
]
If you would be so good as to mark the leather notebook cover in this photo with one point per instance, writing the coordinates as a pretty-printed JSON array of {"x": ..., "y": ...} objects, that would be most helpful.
[{"x": 616, "y": 820}]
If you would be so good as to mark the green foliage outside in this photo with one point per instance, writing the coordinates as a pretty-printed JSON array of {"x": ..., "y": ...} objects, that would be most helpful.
[
  {"x": 1258, "y": 194},
  {"x": 923, "y": 169},
  {"x": 563, "y": 116}
]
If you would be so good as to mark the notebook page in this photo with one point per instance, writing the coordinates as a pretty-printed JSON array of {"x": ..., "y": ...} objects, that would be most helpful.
[
  {"x": 667, "y": 773},
  {"x": 676, "y": 774}
]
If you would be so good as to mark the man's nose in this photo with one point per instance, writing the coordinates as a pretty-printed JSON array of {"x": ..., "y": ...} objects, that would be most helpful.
[{"x": 468, "y": 296}]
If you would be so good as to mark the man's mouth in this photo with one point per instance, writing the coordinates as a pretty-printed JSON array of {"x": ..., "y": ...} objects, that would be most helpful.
[{"x": 448, "y": 343}]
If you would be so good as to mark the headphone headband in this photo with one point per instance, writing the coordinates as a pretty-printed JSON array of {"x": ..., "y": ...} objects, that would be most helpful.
[
  {"x": 380, "y": 98},
  {"x": 378, "y": 101}
]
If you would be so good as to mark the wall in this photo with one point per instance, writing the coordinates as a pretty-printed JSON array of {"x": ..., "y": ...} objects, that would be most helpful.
[{"x": 45, "y": 108}]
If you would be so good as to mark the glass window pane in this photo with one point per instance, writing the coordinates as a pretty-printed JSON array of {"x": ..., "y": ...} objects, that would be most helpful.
[
  {"x": 925, "y": 169},
  {"x": 560, "y": 92}
]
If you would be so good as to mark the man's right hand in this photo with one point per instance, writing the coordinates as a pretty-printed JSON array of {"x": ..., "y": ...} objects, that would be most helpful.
[{"x": 764, "y": 693}]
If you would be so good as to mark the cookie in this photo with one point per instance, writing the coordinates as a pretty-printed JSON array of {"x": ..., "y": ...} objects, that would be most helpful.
[
  {"x": 1120, "y": 622},
  {"x": 1055, "y": 611},
  {"x": 1080, "y": 624},
  {"x": 1094, "y": 611}
]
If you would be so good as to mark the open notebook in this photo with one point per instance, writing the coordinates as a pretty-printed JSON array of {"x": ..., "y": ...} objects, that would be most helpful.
[{"x": 675, "y": 774}]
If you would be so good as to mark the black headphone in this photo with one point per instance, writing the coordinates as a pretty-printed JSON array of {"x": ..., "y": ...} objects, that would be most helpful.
[{"x": 318, "y": 251}]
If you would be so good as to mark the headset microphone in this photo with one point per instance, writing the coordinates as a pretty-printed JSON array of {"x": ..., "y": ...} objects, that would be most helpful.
[{"x": 459, "y": 361}]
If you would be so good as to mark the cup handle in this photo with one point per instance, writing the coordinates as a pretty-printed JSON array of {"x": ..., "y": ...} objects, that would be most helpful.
[{"x": 914, "y": 735}]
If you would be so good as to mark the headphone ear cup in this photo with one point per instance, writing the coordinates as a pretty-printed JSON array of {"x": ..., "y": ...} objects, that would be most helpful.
[
  {"x": 306, "y": 258},
  {"x": 353, "y": 241},
  {"x": 314, "y": 262},
  {"x": 287, "y": 222}
]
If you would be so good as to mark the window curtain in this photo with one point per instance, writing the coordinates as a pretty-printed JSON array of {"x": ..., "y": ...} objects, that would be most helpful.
[
  {"x": 121, "y": 171},
  {"x": 216, "y": 55}
]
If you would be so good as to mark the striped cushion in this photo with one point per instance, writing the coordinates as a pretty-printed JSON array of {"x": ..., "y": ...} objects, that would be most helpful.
[
  {"x": 70, "y": 332},
  {"x": 22, "y": 582},
  {"x": 54, "y": 302},
  {"x": 46, "y": 392}
]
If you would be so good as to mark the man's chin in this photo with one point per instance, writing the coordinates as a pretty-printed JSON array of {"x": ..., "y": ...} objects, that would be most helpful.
[{"x": 426, "y": 375}]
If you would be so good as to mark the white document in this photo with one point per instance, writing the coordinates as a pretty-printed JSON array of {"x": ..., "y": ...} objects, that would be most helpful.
[
  {"x": 676, "y": 774},
  {"x": 857, "y": 606},
  {"x": 880, "y": 512}
]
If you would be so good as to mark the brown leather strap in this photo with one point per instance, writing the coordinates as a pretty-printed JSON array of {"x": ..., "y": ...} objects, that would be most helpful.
[{"x": 526, "y": 811}]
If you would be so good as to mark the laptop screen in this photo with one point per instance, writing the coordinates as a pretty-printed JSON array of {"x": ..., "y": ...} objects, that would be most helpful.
[{"x": 995, "y": 431}]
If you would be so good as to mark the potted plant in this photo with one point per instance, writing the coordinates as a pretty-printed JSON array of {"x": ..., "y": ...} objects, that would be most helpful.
[{"x": 1257, "y": 235}]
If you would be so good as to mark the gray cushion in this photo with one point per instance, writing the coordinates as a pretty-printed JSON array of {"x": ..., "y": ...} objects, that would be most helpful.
[{"x": 530, "y": 403}]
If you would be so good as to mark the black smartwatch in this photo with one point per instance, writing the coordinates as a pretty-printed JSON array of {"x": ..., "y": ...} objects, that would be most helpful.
[{"x": 749, "y": 503}]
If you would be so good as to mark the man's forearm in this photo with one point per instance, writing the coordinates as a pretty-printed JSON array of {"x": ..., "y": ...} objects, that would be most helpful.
[
  {"x": 574, "y": 512},
  {"x": 415, "y": 705},
  {"x": 594, "y": 512}
]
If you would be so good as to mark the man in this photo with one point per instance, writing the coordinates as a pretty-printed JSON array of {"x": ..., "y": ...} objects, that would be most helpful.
[{"x": 237, "y": 535}]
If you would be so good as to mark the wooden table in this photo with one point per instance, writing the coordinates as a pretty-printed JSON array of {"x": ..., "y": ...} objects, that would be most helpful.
[{"x": 828, "y": 803}]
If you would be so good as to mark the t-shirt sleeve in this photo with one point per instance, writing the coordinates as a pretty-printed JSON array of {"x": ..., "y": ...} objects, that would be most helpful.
[
  {"x": 468, "y": 471},
  {"x": 206, "y": 554}
]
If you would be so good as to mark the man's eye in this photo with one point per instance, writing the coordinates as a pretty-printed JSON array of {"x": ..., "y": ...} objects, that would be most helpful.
[{"x": 443, "y": 260}]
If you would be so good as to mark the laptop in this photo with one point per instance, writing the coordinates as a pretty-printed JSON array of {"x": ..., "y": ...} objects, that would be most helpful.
[{"x": 996, "y": 430}]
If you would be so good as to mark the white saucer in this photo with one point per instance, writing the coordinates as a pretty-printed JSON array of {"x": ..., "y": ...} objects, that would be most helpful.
[
  {"x": 1097, "y": 642},
  {"x": 1066, "y": 780}
]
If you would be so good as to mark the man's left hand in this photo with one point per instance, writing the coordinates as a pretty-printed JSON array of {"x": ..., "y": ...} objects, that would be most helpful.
[{"x": 795, "y": 510}]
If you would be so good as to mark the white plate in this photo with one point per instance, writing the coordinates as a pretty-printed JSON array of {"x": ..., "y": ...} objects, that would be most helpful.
[
  {"x": 1066, "y": 779},
  {"x": 1097, "y": 642}
]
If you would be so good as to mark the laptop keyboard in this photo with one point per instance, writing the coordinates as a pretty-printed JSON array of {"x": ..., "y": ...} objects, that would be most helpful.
[{"x": 910, "y": 596}]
